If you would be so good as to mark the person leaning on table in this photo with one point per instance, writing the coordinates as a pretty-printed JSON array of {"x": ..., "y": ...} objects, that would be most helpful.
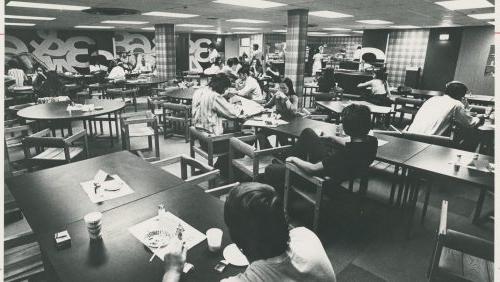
[
  {"x": 254, "y": 215},
  {"x": 251, "y": 88}
]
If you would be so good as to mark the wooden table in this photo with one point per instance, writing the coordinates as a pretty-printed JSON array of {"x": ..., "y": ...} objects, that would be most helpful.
[
  {"x": 57, "y": 112},
  {"x": 183, "y": 94},
  {"x": 145, "y": 82},
  {"x": 53, "y": 198},
  {"x": 338, "y": 106},
  {"x": 121, "y": 257}
]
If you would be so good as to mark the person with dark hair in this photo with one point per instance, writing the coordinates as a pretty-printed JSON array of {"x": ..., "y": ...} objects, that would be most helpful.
[
  {"x": 250, "y": 87},
  {"x": 256, "y": 54},
  {"x": 95, "y": 65},
  {"x": 437, "y": 114},
  {"x": 337, "y": 157},
  {"x": 212, "y": 53},
  {"x": 378, "y": 88},
  {"x": 254, "y": 215},
  {"x": 215, "y": 68},
  {"x": 256, "y": 68},
  {"x": 229, "y": 68}
]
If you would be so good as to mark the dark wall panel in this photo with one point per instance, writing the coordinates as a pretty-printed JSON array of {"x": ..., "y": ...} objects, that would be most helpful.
[
  {"x": 441, "y": 58},
  {"x": 375, "y": 38}
]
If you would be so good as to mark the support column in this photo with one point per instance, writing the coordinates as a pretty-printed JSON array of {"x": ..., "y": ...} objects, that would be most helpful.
[
  {"x": 296, "y": 40},
  {"x": 165, "y": 50}
]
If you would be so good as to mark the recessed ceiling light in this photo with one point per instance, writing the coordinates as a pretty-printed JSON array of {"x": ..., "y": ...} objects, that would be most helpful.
[
  {"x": 339, "y": 34},
  {"x": 21, "y": 24},
  {"x": 205, "y": 30},
  {"x": 404, "y": 26},
  {"x": 486, "y": 16},
  {"x": 148, "y": 28},
  {"x": 336, "y": 28},
  {"x": 374, "y": 22},
  {"x": 246, "y": 28},
  {"x": 329, "y": 14},
  {"x": 357, "y": 31},
  {"x": 464, "y": 4},
  {"x": 316, "y": 33},
  {"x": 170, "y": 15},
  {"x": 246, "y": 21},
  {"x": 22, "y": 4},
  {"x": 260, "y": 4},
  {"x": 243, "y": 32},
  {"x": 29, "y": 18},
  {"x": 194, "y": 25},
  {"x": 123, "y": 22},
  {"x": 279, "y": 30},
  {"x": 94, "y": 27}
]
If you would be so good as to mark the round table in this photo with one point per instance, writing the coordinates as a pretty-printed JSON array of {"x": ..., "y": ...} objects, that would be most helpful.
[{"x": 57, "y": 112}]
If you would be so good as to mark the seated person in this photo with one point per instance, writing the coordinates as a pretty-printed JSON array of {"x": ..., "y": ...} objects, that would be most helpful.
[
  {"x": 229, "y": 69},
  {"x": 250, "y": 88},
  {"x": 117, "y": 72},
  {"x": 256, "y": 68},
  {"x": 332, "y": 156},
  {"x": 437, "y": 114},
  {"x": 378, "y": 88},
  {"x": 215, "y": 68},
  {"x": 254, "y": 216},
  {"x": 95, "y": 66},
  {"x": 209, "y": 109},
  {"x": 273, "y": 72},
  {"x": 326, "y": 82},
  {"x": 17, "y": 73},
  {"x": 143, "y": 66},
  {"x": 286, "y": 102}
]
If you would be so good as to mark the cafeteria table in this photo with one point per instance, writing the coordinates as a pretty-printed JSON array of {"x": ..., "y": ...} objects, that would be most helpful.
[
  {"x": 50, "y": 199},
  {"x": 122, "y": 257},
  {"x": 180, "y": 94}
]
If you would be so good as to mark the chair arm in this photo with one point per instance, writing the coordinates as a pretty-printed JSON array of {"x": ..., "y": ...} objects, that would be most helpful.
[
  {"x": 271, "y": 151},
  {"x": 166, "y": 162},
  {"x": 139, "y": 120},
  {"x": 248, "y": 138},
  {"x": 195, "y": 163},
  {"x": 469, "y": 244},
  {"x": 16, "y": 129},
  {"x": 222, "y": 188},
  {"x": 388, "y": 132},
  {"x": 242, "y": 147},
  {"x": 225, "y": 136},
  {"x": 318, "y": 181},
  {"x": 432, "y": 139},
  {"x": 55, "y": 142},
  {"x": 79, "y": 134},
  {"x": 317, "y": 117},
  {"x": 175, "y": 107},
  {"x": 41, "y": 133},
  {"x": 203, "y": 177}
]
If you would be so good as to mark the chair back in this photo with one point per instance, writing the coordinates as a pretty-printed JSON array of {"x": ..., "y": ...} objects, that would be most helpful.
[
  {"x": 408, "y": 102},
  {"x": 443, "y": 219}
]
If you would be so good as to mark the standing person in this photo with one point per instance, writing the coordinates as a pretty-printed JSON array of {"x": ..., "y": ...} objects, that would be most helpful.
[
  {"x": 143, "y": 66},
  {"x": 378, "y": 88},
  {"x": 256, "y": 53},
  {"x": 317, "y": 61},
  {"x": 212, "y": 53},
  {"x": 338, "y": 158},
  {"x": 251, "y": 88},
  {"x": 286, "y": 102},
  {"x": 357, "y": 54},
  {"x": 17, "y": 73},
  {"x": 256, "y": 68}
]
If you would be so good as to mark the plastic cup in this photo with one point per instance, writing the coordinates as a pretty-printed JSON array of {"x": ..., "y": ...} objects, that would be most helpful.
[
  {"x": 93, "y": 221},
  {"x": 214, "y": 239}
]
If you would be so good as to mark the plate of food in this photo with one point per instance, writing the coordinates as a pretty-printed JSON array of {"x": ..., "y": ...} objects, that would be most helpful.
[{"x": 157, "y": 238}]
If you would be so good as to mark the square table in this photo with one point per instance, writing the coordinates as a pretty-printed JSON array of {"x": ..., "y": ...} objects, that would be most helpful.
[
  {"x": 121, "y": 257},
  {"x": 52, "y": 198}
]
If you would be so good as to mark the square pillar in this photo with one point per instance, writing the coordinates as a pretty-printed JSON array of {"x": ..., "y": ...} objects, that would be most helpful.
[
  {"x": 165, "y": 50},
  {"x": 296, "y": 41}
]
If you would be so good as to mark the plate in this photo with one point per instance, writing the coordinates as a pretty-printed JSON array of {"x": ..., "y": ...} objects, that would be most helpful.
[
  {"x": 157, "y": 238},
  {"x": 234, "y": 256}
]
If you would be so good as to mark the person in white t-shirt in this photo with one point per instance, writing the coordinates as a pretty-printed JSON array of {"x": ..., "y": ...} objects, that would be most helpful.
[
  {"x": 212, "y": 53},
  {"x": 437, "y": 114},
  {"x": 117, "y": 72},
  {"x": 317, "y": 61},
  {"x": 251, "y": 88}
]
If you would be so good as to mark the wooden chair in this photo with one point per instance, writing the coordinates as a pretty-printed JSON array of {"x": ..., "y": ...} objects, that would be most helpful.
[
  {"x": 460, "y": 257},
  {"x": 22, "y": 258},
  {"x": 254, "y": 161},
  {"x": 53, "y": 150},
  {"x": 175, "y": 117},
  {"x": 129, "y": 96},
  {"x": 13, "y": 136},
  {"x": 320, "y": 185},
  {"x": 403, "y": 105},
  {"x": 140, "y": 124},
  {"x": 207, "y": 141}
]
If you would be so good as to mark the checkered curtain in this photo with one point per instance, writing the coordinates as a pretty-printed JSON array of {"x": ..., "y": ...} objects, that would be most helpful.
[
  {"x": 165, "y": 50},
  {"x": 406, "y": 48},
  {"x": 296, "y": 40},
  {"x": 350, "y": 42}
]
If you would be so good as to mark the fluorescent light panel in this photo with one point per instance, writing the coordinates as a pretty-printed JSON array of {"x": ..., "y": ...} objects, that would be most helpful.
[
  {"x": 464, "y": 4},
  {"x": 205, "y": 30},
  {"x": 23, "y": 4},
  {"x": 404, "y": 26},
  {"x": 194, "y": 25},
  {"x": 486, "y": 16},
  {"x": 279, "y": 30},
  {"x": 246, "y": 21},
  {"x": 123, "y": 22},
  {"x": 94, "y": 26},
  {"x": 336, "y": 29},
  {"x": 339, "y": 34},
  {"x": 148, "y": 28},
  {"x": 357, "y": 31},
  {"x": 169, "y": 15},
  {"x": 243, "y": 32},
  {"x": 246, "y": 28},
  {"x": 29, "y": 18},
  {"x": 259, "y": 4},
  {"x": 20, "y": 24},
  {"x": 374, "y": 22},
  {"x": 329, "y": 14},
  {"x": 316, "y": 33}
]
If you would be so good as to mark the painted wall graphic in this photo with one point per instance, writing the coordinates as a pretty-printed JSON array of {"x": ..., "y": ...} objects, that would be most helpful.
[
  {"x": 198, "y": 50},
  {"x": 136, "y": 43},
  {"x": 65, "y": 50}
]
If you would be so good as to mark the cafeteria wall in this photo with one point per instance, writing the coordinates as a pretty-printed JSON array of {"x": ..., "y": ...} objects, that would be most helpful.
[{"x": 474, "y": 51}]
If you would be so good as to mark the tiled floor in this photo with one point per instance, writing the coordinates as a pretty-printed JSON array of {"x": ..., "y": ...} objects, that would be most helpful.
[{"x": 375, "y": 248}]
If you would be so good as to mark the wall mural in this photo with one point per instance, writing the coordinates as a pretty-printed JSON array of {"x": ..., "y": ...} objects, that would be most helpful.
[{"x": 198, "y": 51}]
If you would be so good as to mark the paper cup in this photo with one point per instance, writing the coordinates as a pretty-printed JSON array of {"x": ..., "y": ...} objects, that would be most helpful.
[
  {"x": 214, "y": 239},
  {"x": 93, "y": 222}
]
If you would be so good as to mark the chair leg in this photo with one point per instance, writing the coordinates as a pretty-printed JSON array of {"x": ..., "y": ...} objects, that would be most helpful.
[
  {"x": 393, "y": 186},
  {"x": 150, "y": 143},
  {"x": 426, "y": 202},
  {"x": 479, "y": 206},
  {"x": 286, "y": 193}
]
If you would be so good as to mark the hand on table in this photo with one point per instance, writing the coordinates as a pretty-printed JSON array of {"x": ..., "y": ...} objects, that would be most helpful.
[{"x": 174, "y": 260}]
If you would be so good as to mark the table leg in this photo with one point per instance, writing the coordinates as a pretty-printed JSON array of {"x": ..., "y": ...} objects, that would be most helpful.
[
  {"x": 110, "y": 130},
  {"x": 394, "y": 183},
  {"x": 426, "y": 201},
  {"x": 116, "y": 126},
  {"x": 479, "y": 206}
]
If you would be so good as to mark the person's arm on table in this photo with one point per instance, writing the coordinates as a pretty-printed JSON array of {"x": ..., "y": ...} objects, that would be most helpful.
[
  {"x": 247, "y": 90},
  {"x": 227, "y": 109},
  {"x": 463, "y": 119},
  {"x": 174, "y": 261},
  {"x": 365, "y": 84},
  {"x": 306, "y": 166}
]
